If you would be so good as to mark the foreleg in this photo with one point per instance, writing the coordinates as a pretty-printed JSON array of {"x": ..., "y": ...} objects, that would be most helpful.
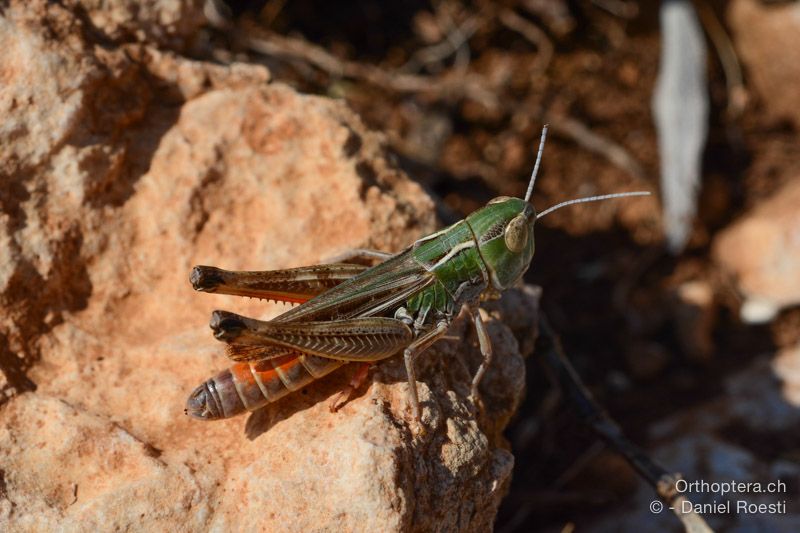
[
  {"x": 485, "y": 344},
  {"x": 410, "y": 354}
]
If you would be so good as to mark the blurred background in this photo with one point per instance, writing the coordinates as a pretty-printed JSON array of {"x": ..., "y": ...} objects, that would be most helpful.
[{"x": 670, "y": 307}]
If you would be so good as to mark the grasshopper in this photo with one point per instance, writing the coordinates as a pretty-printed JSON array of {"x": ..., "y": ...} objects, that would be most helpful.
[{"x": 353, "y": 313}]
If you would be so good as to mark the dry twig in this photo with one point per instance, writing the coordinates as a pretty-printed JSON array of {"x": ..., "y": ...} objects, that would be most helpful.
[
  {"x": 619, "y": 8},
  {"x": 272, "y": 44},
  {"x": 532, "y": 33},
  {"x": 453, "y": 41},
  {"x": 734, "y": 83},
  {"x": 594, "y": 142},
  {"x": 664, "y": 483}
]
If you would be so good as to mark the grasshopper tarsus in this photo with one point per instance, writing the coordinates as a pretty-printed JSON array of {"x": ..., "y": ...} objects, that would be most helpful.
[
  {"x": 477, "y": 402},
  {"x": 338, "y": 401},
  {"x": 343, "y": 396}
]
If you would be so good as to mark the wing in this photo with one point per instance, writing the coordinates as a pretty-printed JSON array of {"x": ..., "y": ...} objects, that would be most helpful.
[
  {"x": 369, "y": 293},
  {"x": 244, "y": 352}
]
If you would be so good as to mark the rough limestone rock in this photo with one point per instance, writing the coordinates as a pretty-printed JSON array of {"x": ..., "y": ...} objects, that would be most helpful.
[
  {"x": 762, "y": 253},
  {"x": 172, "y": 23},
  {"x": 767, "y": 39},
  {"x": 121, "y": 168}
]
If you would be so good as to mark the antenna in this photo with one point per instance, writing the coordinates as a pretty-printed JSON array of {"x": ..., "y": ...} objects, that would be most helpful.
[
  {"x": 536, "y": 165},
  {"x": 591, "y": 199}
]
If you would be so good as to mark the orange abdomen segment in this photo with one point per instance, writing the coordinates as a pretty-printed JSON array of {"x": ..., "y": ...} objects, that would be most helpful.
[{"x": 249, "y": 386}]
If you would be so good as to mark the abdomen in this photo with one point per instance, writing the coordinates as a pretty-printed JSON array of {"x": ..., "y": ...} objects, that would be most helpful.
[{"x": 249, "y": 386}]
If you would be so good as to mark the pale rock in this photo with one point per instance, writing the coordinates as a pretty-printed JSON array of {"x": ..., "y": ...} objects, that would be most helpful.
[
  {"x": 122, "y": 167},
  {"x": 767, "y": 39},
  {"x": 105, "y": 479},
  {"x": 786, "y": 367},
  {"x": 755, "y": 310},
  {"x": 761, "y": 252}
]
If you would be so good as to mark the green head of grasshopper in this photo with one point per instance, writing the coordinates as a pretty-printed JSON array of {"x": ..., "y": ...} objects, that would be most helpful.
[{"x": 504, "y": 230}]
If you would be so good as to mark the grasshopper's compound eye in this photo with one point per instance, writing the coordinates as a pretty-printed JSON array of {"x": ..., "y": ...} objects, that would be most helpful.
[{"x": 516, "y": 233}]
